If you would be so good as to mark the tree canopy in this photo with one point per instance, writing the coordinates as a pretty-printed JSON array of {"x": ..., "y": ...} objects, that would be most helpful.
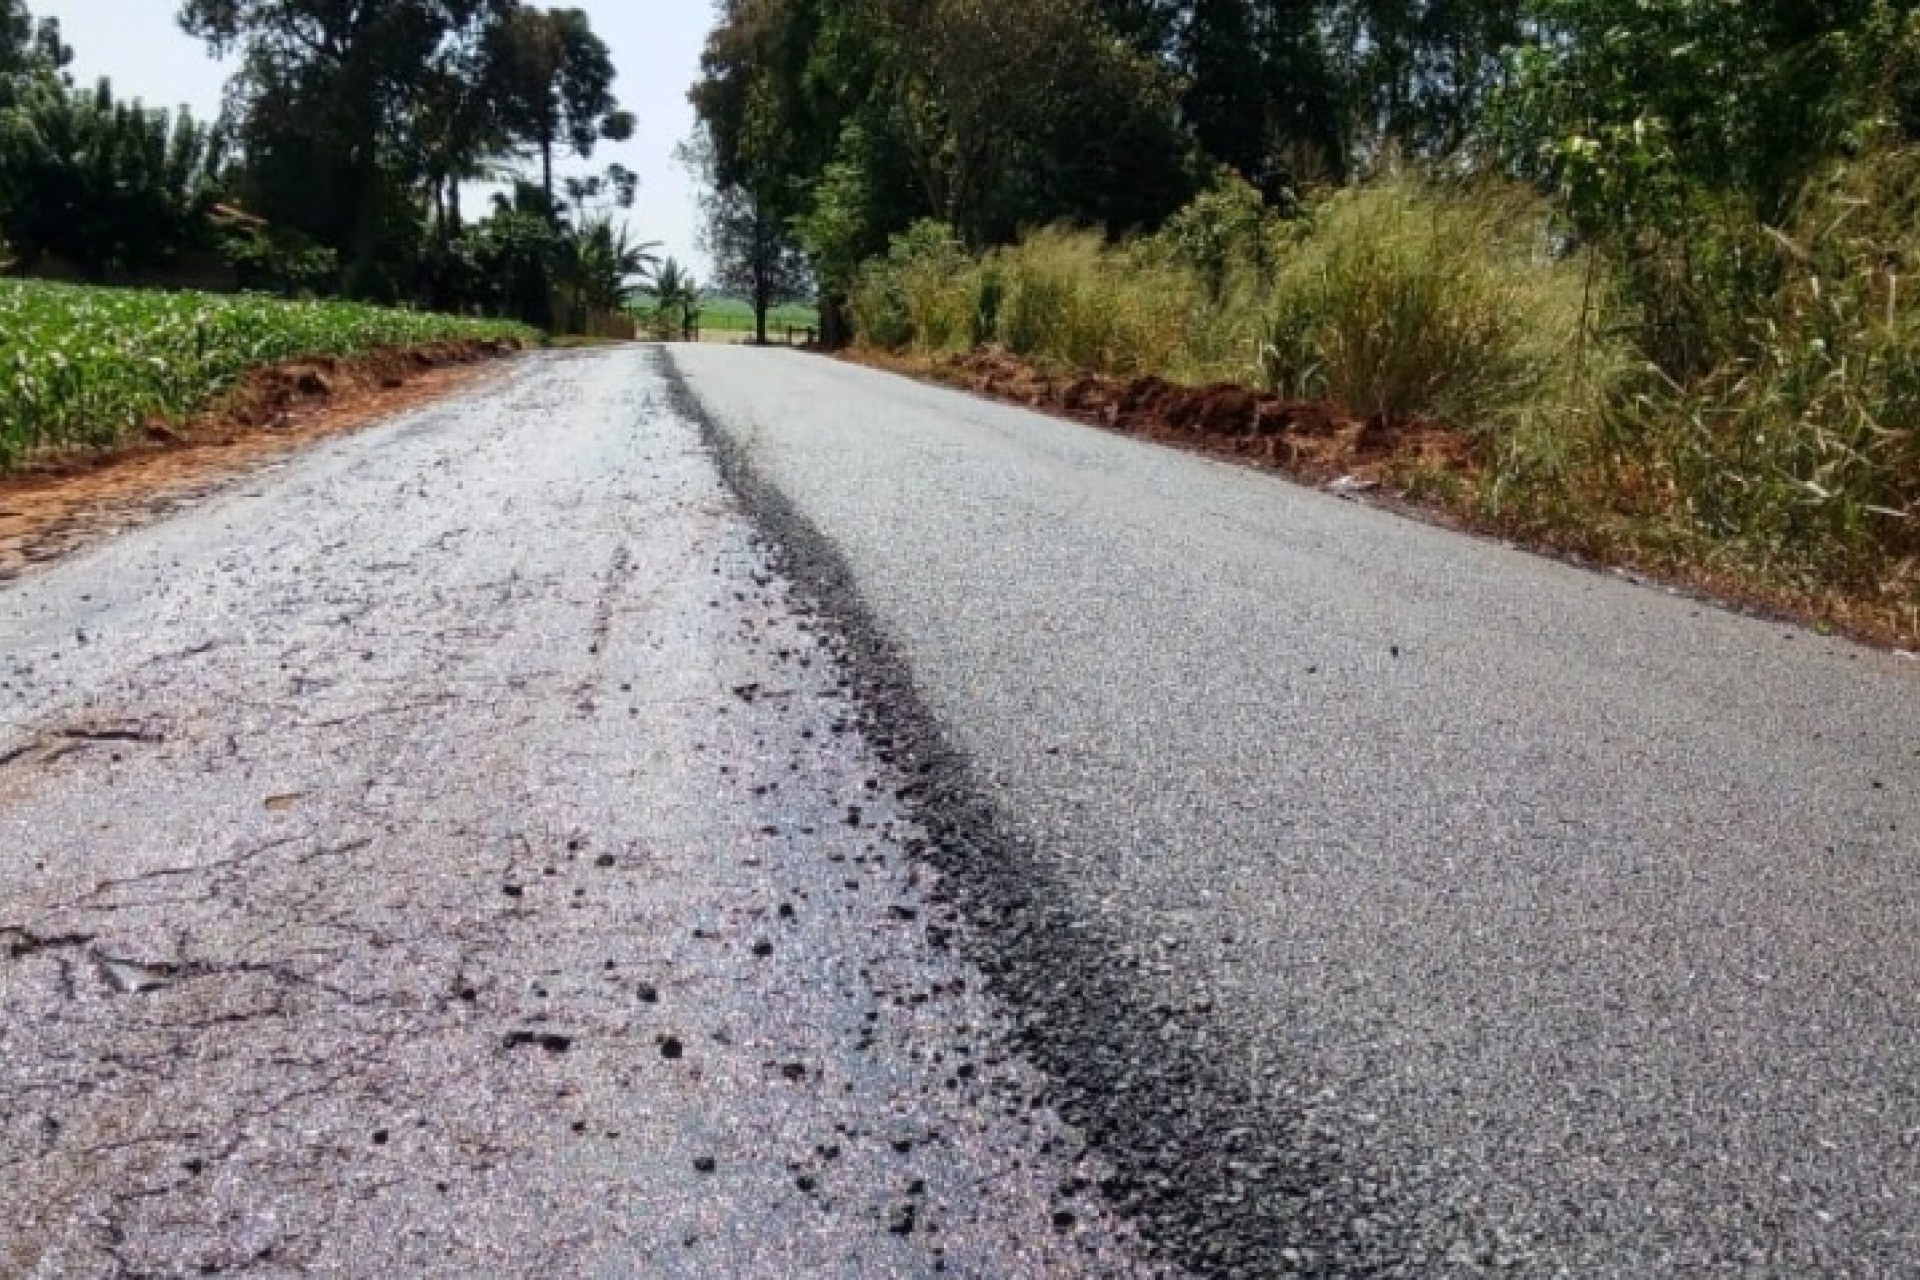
[
  {"x": 852, "y": 119},
  {"x": 104, "y": 185},
  {"x": 88, "y": 180},
  {"x": 755, "y": 253},
  {"x": 348, "y": 111},
  {"x": 555, "y": 80}
]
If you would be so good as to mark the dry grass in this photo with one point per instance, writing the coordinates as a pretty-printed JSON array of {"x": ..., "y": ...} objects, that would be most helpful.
[{"x": 1784, "y": 471}]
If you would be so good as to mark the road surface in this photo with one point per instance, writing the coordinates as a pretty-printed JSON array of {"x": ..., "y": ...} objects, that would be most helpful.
[
  {"x": 446, "y": 855},
  {"x": 528, "y": 837}
]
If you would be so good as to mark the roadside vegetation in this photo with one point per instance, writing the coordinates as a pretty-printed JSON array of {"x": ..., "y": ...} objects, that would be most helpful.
[
  {"x": 1645, "y": 261},
  {"x": 336, "y": 172},
  {"x": 338, "y": 168},
  {"x": 87, "y": 367}
]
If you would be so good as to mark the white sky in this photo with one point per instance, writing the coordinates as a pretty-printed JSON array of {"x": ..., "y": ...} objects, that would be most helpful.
[{"x": 656, "y": 47}]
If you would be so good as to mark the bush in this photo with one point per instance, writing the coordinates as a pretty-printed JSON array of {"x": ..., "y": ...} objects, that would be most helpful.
[
  {"x": 286, "y": 263},
  {"x": 927, "y": 293},
  {"x": 1403, "y": 301},
  {"x": 1227, "y": 236},
  {"x": 1069, "y": 299},
  {"x": 1800, "y": 442}
]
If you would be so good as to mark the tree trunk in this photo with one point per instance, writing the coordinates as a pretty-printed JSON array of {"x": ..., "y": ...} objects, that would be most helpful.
[
  {"x": 546, "y": 170},
  {"x": 363, "y": 275},
  {"x": 834, "y": 329}
]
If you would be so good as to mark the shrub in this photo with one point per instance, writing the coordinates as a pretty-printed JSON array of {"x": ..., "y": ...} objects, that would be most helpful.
[
  {"x": 1400, "y": 301},
  {"x": 1227, "y": 236},
  {"x": 1800, "y": 443},
  {"x": 1070, "y": 299},
  {"x": 926, "y": 293}
]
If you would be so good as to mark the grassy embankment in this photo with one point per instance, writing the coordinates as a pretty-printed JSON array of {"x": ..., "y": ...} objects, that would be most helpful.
[
  {"x": 85, "y": 368},
  {"x": 1759, "y": 438}
]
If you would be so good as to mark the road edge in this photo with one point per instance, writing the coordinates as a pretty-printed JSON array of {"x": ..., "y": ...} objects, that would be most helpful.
[{"x": 62, "y": 505}]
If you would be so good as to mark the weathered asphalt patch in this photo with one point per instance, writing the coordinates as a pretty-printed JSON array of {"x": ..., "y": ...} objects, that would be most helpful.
[{"x": 467, "y": 918}]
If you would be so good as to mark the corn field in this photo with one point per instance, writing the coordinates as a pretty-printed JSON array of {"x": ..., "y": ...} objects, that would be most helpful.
[{"x": 85, "y": 366}]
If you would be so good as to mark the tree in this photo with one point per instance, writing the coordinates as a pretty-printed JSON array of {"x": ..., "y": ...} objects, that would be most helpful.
[
  {"x": 460, "y": 125},
  {"x": 29, "y": 46},
  {"x": 610, "y": 267},
  {"x": 1417, "y": 73},
  {"x": 1148, "y": 26},
  {"x": 597, "y": 193},
  {"x": 559, "y": 85},
  {"x": 1226, "y": 102},
  {"x": 676, "y": 300},
  {"x": 754, "y": 254},
  {"x": 1013, "y": 116},
  {"x": 103, "y": 185},
  {"x": 518, "y": 255},
  {"x": 791, "y": 98},
  {"x": 1745, "y": 99},
  {"x": 349, "y": 112},
  {"x": 30, "y": 54},
  {"x": 849, "y": 120},
  {"x": 328, "y": 98}
]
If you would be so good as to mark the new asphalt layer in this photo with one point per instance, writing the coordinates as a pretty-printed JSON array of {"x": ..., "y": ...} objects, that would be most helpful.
[{"x": 1380, "y": 900}]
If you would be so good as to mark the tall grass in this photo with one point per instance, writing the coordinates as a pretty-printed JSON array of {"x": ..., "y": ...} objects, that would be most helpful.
[
  {"x": 927, "y": 293},
  {"x": 1067, "y": 299},
  {"x": 1801, "y": 441},
  {"x": 1400, "y": 301},
  {"x": 1733, "y": 396},
  {"x": 1394, "y": 300}
]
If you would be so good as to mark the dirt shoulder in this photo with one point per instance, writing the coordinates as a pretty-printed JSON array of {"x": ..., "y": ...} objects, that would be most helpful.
[
  {"x": 63, "y": 500},
  {"x": 1426, "y": 470}
]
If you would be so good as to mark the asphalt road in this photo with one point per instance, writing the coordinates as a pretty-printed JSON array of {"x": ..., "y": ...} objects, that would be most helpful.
[
  {"x": 1383, "y": 901},
  {"x": 448, "y": 854},
  {"x": 730, "y": 813}
]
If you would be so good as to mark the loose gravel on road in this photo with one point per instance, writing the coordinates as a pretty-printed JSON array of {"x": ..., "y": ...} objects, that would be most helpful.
[
  {"x": 455, "y": 852},
  {"x": 727, "y": 813}
]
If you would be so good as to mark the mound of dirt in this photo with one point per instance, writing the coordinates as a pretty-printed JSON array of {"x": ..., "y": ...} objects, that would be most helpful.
[
  {"x": 1312, "y": 441},
  {"x": 268, "y": 397}
]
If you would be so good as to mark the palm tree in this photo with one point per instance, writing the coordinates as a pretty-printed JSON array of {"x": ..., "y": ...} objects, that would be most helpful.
[
  {"x": 676, "y": 300},
  {"x": 612, "y": 268}
]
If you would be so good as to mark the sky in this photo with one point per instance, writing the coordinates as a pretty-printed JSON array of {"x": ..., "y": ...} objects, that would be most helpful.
[{"x": 656, "y": 48}]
